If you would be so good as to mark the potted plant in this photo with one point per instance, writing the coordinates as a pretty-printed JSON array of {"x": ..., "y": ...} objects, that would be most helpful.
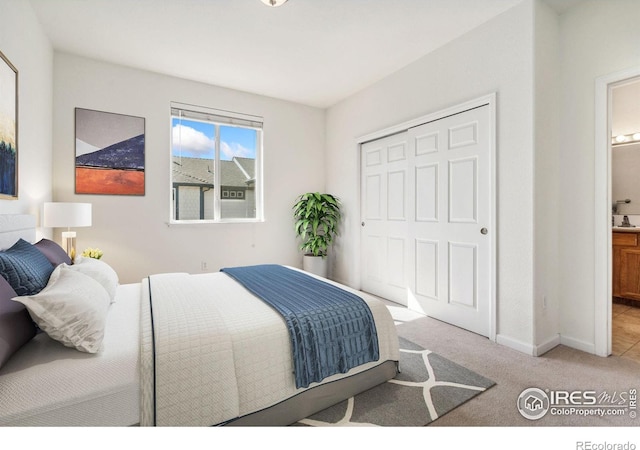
[{"x": 316, "y": 223}]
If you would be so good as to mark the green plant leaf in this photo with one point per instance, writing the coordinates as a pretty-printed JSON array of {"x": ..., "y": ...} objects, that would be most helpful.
[{"x": 316, "y": 217}]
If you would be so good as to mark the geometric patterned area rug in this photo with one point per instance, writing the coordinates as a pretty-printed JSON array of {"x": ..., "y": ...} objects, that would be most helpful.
[{"x": 428, "y": 387}]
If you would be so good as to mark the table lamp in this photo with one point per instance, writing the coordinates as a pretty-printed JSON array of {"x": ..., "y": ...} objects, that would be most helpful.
[{"x": 61, "y": 215}]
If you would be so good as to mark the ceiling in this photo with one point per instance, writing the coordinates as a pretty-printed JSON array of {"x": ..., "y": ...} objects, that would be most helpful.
[{"x": 314, "y": 52}]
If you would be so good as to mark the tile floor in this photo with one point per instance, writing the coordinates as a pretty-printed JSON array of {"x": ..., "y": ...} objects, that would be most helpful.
[{"x": 626, "y": 331}]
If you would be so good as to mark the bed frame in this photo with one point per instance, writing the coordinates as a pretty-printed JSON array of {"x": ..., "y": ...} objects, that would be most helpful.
[{"x": 318, "y": 398}]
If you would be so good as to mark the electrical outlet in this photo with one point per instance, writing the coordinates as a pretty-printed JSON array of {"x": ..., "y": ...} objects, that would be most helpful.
[{"x": 203, "y": 266}]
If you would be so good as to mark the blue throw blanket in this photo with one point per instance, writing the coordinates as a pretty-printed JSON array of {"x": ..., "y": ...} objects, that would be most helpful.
[{"x": 331, "y": 330}]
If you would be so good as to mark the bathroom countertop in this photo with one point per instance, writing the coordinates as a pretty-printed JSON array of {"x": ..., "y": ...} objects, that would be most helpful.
[{"x": 625, "y": 229}]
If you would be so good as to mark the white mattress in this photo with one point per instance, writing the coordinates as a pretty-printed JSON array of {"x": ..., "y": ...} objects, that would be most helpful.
[{"x": 47, "y": 384}]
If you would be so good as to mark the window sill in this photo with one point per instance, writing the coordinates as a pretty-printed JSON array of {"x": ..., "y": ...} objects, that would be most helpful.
[{"x": 172, "y": 223}]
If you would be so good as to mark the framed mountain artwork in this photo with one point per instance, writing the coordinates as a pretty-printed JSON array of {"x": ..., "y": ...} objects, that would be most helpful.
[
  {"x": 8, "y": 129},
  {"x": 109, "y": 153}
]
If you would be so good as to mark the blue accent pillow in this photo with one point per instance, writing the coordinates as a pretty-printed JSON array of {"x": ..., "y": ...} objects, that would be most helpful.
[{"x": 25, "y": 268}]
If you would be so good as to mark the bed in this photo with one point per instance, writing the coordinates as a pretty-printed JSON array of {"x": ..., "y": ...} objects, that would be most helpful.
[{"x": 228, "y": 364}]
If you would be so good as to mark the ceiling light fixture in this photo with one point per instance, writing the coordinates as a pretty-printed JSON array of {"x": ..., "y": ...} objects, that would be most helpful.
[{"x": 274, "y": 3}]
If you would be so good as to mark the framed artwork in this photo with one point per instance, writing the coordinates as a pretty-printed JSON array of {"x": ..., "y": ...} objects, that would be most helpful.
[
  {"x": 109, "y": 153},
  {"x": 8, "y": 129}
]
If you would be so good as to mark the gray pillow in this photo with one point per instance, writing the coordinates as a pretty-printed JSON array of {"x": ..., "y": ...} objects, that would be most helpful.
[
  {"x": 16, "y": 326},
  {"x": 25, "y": 268},
  {"x": 53, "y": 252}
]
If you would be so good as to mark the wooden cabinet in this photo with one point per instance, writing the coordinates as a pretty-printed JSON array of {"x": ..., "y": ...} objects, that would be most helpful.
[{"x": 626, "y": 264}]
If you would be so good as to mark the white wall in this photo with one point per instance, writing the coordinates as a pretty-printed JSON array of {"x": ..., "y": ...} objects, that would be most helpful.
[
  {"x": 546, "y": 129},
  {"x": 495, "y": 57},
  {"x": 23, "y": 42},
  {"x": 133, "y": 231},
  {"x": 597, "y": 38}
]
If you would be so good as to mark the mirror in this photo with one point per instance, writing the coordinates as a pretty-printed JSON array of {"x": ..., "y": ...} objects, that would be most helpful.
[{"x": 625, "y": 156}]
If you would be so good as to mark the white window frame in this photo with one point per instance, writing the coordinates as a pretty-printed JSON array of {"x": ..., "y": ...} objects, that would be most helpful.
[{"x": 219, "y": 118}]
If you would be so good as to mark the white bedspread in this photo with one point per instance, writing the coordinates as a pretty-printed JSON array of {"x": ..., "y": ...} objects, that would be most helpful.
[{"x": 221, "y": 353}]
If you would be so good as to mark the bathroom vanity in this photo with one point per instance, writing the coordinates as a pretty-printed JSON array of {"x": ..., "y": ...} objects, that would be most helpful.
[{"x": 626, "y": 263}]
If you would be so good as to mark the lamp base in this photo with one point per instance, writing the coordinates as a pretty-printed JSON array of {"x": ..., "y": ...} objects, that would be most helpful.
[{"x": 69, "y": 243}]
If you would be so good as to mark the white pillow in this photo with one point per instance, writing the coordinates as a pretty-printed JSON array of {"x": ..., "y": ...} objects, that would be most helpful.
[
  {"x": 72, "y": 309},
  {"x": 99, "y": 271}
]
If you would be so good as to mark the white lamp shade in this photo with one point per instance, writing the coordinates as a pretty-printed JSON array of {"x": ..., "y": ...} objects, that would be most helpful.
[{"x": 67, "y": 215}]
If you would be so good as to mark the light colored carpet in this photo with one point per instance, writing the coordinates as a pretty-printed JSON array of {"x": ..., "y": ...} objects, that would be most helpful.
[{"x": 562, "y": 368}]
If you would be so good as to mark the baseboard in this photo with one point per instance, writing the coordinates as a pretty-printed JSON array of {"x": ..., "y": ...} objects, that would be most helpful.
[
  {"x": 547, "y": 345},
  {"x": 516, "y": 344},
  {"x": 533, "y": 350},
  {"x": 588, "y": 347},
  {"x": 552, "y": 342}
]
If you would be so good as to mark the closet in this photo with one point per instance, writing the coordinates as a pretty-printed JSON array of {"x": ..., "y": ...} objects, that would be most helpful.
[{"x": 427, "y": 233}]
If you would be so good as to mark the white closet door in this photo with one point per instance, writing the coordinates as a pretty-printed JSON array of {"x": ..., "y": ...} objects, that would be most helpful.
[
  {"x": 427, "y": 219},
  {"x": 385, "y": 216}
]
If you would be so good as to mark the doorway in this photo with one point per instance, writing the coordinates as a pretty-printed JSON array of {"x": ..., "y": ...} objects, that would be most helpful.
[
  {"x": 603, "y": 276},
  {"x": 625, "y": 191}
]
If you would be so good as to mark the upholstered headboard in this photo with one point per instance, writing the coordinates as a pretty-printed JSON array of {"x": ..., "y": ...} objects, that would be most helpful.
[{"x": 16, "y": 226}]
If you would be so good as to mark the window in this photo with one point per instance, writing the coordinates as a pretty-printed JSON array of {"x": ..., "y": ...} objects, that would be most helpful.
[{"x": 216, "y": 165}]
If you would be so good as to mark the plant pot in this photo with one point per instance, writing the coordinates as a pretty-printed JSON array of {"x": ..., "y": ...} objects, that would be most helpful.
[{"x": 316, "y": 265}]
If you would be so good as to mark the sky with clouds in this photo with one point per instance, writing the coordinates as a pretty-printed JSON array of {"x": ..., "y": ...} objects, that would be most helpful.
[{"x": 196, "y": 139}]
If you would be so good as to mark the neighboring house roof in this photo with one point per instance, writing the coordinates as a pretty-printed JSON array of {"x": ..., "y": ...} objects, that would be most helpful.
[
  {"x": 248, "y": 165},
  {"x": 192, "y": 170},
  {"x": 239, "y": 172}
]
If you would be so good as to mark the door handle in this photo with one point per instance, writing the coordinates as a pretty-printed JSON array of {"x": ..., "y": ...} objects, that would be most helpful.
[
  {"x": 362, "y": 223},
  {"x": 484, "y": 230}
]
